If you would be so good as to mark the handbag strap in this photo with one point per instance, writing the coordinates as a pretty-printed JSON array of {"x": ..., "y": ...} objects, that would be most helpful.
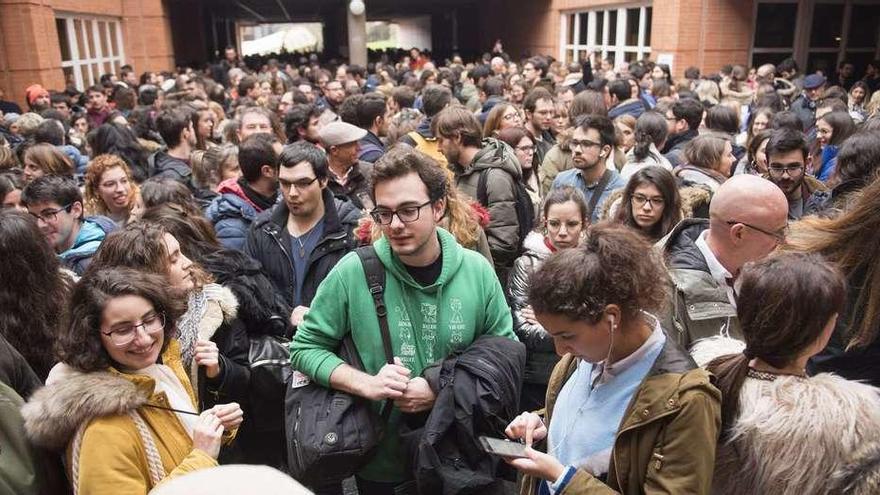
[
  {"x": 374, "y": 271},
  {"x": 598, "y": 190}
]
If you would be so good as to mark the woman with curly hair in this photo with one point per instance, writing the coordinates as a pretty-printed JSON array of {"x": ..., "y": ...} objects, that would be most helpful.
[
  {"x": 120, "y": 403},
  {"x": 110, "y": 190},
  {"x": 213, "y": 342},
  {"x": 33, "y": 290},
  {"x": 627, "y": 409}
]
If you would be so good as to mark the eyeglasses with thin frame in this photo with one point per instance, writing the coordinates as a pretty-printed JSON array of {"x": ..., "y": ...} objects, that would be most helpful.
[
  {"x": 407, "y": 214},
  {"x": 122, "y": 336},
  {"x": 50, "y": 216},
  {"x": 583, "y": 144},
  {"x": 510, "y": 116},
  {"x": 299, "y": 185},
  {"x": 780, "y": 170},
  {"x": 639, "y": 200},
  {"x": 779, "y": 235}
]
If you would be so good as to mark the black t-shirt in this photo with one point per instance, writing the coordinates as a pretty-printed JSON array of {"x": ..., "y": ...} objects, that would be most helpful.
[{"x": 426, "y": 275}]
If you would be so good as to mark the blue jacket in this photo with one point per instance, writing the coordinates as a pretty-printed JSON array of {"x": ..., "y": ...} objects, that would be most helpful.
[
  {"x": 232, "y": 217},
  {"x": 574, "y": 179},
  {"x": 91, "y": 234}
]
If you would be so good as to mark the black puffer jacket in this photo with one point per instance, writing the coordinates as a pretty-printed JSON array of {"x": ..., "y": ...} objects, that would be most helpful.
[
  {"x": 260, "y": 308},
  {"x": 445, "y": 454},
  {"x": 269, "y": 243},
  {"x": 262, "y": 311}
]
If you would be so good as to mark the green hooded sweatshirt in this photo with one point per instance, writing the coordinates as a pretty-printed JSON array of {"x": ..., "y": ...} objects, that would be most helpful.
[{"x": 426, "y": 324}]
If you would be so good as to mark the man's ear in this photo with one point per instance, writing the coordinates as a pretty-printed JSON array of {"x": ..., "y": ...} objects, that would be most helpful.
[
  {"x": 268, "y": 172},
  {"x": 76, "y": 209},
  {"x": 438, "y": 208},
  {"x": 605, "y": 151}
]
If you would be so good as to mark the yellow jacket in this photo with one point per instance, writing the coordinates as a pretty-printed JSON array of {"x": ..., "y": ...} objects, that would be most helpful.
[{"x": 111, "y": 457}]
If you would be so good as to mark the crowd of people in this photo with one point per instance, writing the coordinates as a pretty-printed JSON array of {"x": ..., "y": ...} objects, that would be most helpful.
[{"x": 652, "y": 284}]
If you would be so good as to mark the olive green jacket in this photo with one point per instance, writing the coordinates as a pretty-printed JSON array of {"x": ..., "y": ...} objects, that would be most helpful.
[{"x": 666, "y": 440}]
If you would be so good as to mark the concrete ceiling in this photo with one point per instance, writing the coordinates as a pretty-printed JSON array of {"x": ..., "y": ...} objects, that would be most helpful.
[{"x": 304, "y": 10}]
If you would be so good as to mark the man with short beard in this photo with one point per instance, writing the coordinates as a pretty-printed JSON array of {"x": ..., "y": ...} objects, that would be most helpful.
[
  {"x": 788, "y": 159},
  {"x": 97, "y": 109},
  {"x": 539, "y": 107},
  {"x": 592, "y": 142}
]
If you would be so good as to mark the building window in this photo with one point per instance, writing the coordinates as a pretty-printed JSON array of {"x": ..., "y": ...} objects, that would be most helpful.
[
  {"x": 825, "y": 32},
  {"x": 619, "y": 35},
  {"x": 90, "y": 47}
]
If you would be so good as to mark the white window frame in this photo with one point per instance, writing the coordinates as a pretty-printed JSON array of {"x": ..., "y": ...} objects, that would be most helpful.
[
  {"x": 78, "y": 60},
  {"x": 619, "y": 49}
]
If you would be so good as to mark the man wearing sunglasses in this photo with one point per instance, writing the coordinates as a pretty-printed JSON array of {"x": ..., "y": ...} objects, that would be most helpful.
[
  {"x": 747, "y": 221},
  {"x": 787, "y": 163},
  {"x": 440, "y": 298},
  {"x": 56, "y": 204}
]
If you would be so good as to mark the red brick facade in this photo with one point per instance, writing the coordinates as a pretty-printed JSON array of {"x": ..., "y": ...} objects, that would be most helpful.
[
  {"x": 705, "y": 33},
  {"x": 29, "y": 46}
]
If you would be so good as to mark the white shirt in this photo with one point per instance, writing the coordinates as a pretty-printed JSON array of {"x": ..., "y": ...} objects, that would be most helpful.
[{"x": 716, "y": 269}]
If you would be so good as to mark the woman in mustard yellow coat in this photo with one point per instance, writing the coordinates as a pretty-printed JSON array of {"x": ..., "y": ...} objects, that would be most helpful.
[{"x": 120, "y": 401}]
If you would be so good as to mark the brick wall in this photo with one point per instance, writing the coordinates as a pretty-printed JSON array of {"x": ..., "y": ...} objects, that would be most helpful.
[
  {"x": 705, "y": 33},
  {"x": 29, "y": 48}
]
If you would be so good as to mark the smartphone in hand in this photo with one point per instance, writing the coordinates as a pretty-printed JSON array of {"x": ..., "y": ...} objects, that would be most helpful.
[{"x": 503, "y": 448}]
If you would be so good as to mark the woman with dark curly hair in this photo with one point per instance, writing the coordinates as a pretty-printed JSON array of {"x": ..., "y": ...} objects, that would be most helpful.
[
  {"x": 627, "y": 409},
  {"x": 120, "y": 403},
  {"x": 33, "y": 290},
  {"x": 213, "y": 342}
]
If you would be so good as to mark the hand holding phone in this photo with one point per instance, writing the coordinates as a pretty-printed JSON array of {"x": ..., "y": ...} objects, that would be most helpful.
[{"x": 503, "y": 448}]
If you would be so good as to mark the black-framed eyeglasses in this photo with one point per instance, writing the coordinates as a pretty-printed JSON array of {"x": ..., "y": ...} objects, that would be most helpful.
[
  {"x": 407, "y": 214},
  {"x": 121, "y": 337},
  {"x": 779, "y": 235},
  {"x": 300, "y": 185},
  {"x": 50, "y": 216},
  {"x": 639, "y": 200},
  {"x": 583, "y": 144},
  {"x": 780, "y": 170}
]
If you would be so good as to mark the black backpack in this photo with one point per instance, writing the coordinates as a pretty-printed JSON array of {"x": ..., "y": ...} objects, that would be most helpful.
[
  {"x": 525, "y": 210},
  {"x": 332, "y": 434}
]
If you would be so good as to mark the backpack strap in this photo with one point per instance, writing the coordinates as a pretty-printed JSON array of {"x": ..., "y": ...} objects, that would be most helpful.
[
  {"x": 374, "y": 271},
  {"x": 597, "y": 192}
]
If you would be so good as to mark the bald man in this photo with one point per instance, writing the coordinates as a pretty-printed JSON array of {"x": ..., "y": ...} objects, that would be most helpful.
[{"x": 748, "y": 218}]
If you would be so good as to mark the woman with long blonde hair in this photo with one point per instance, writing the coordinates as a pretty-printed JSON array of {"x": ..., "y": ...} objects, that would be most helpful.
[
  {"x": 852, "y": 242},
  {"x": 110, "y": 189}
]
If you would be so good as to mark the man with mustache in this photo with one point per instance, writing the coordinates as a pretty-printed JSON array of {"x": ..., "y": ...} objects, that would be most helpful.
[{"x": 788, "y": 160}]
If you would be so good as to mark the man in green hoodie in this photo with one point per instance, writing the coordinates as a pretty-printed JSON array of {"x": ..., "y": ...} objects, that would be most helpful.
[{"x": 440, "y": 298}]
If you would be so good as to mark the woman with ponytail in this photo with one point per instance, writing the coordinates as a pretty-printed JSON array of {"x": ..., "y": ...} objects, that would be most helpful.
[
  {"x": 650, "y": 136},
  {"x": 784, "y": 432}
]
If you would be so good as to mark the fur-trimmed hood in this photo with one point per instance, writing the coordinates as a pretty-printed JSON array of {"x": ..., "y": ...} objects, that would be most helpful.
[
  {"x": 793, "y": 434},
  {"x": 72, "y": 398}
]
